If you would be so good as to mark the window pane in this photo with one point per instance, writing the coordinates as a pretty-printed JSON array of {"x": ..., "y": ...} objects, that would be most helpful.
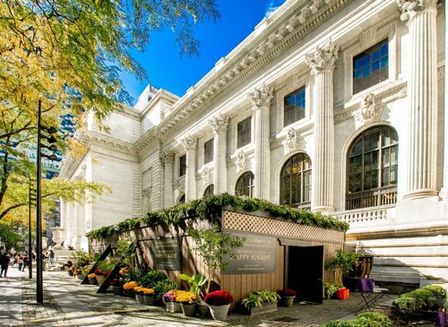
[
  {"x": 244, "y": 132},
  {"x": 245, "y": 185},
  {"x": 208, "y": 151},
  {"x": 371, "y": 66},
  {"x": 295, "y": 180},
  {"x": 373, "y": 167},
  {"x": 294, "y": 107},
  {"x": 182, "y": 165}
]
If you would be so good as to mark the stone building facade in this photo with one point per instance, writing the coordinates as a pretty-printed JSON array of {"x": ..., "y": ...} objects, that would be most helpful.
[{"x": 329, "y": 105}]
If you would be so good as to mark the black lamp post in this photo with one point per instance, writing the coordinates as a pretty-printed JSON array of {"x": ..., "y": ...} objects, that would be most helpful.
[
  {"x": 51, "y": 139},
  {"x": 31, "y": 202}
]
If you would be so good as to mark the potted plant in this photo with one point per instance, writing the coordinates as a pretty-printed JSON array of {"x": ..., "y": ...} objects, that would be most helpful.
[
  {"x": 171, "y": 305},
  {"x": 219, "y": 303},
  {"x": 187, "y": 302},
  {"x": 342, "y": 263},
  {"x": 287, "y": 295},
  {"x": 196, "y": 282},
  {"x": 261, "y": 301},
  {"x": 144, "y": 295},
  {"x": 117, "y": 286},
  {"x": 92, "y": 278},
  {"x": 330, "y": 289},
  {"x": 212, "y": 245},
  {"x": 128, "y": 288}
]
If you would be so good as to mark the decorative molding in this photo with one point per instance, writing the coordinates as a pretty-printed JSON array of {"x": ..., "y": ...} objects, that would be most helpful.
[
  {"x": 369, "y": 110},
  {"x": 242, "y": 162},
  {"x": 385, "y": 96},
  {"x": 368, "y": 36},
  {"x": 167, "y": 157},
  {"x": 262, "y": 96},
  {"x": 240, "y": 68},
  {"x": 206, "y": 175},
  {"x": 219, "y": 123},
  {"x": 293, "y": 141},
  {"x": 323, "y": 58},
  {"x": 410, "y": 8},
  {"x": 440, "y": 73},
  {"x": 179, "y": 184},
  {"x": 189, "y": 143}
]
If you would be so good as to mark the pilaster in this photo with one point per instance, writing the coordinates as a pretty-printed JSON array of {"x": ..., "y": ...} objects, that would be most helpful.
[
  {"x": 321, "y": 63},
  {"x": 167, "y": 158},
  {"x": 261, "y": 100},
  {"x": 422, "y": 95},
  {"x": 220, "y": 124},
  {"x": 190, "y": 144}
]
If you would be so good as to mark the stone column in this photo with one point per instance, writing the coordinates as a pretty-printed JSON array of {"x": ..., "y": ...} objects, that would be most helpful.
[
  {"x": 220, "y": 124},
  {"x": 261, "y": 99},
  {"x": 321, "y": 63},
  {"x": 444, "y": 191},
  {"x": 422, "y": 99},
  {"x": 167, "y": 158},
  {"x": 190, "y": 144}
]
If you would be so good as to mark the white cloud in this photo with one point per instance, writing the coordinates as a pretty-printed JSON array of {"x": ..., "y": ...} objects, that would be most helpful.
[{"x": 273, "y": 6}]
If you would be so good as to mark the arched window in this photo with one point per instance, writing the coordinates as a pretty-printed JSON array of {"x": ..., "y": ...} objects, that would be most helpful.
[
  {"x": 182, "y": 199},
  {"x": 245, "y": 185},
  {"x": 372, "y": 169},
  {"x": 295, "y": 181},
  {"x": 209, "y": 191}
]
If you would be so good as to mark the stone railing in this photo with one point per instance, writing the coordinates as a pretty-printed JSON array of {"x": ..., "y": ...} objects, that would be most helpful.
[{"x": 364, "y": 215}]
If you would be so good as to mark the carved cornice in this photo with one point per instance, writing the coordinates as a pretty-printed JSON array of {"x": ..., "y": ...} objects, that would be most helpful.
[
  {"x": 87, "y": 138},
  {"x": 269, "y": 44}
]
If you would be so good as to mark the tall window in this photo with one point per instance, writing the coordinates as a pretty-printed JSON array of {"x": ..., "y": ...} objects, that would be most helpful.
[
  {"x": 371, "y": 67},
  {"x": 182, "y": 165},
  {"x": 209, "y": 191},
  {"x": 244, "y": 131},
  {"x": 245, "y": 185},
  {"x": 208, "y": 151},
  {"x": 295, "y": 181},
  {"x": 294, "y": 106},
  {"x": 372, "y": 169},
  {"x": 182, "y": 199}
]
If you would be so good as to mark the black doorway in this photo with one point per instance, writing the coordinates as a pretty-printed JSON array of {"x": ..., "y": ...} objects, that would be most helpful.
[{"x": 305, "y": 270}]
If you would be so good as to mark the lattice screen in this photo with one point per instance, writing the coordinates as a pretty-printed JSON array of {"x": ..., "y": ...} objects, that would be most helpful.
[{"x": 250, "y": 223}]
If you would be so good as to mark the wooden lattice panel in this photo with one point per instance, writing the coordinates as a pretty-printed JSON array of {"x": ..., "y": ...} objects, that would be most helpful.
[{"x": 280, "y": 228}]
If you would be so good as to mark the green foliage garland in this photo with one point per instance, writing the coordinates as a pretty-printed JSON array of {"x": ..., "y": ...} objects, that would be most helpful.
[{"x": 210, "y": 208}]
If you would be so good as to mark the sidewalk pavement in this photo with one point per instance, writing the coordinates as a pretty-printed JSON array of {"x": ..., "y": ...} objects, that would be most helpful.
[{"x": 68, "y": 303}]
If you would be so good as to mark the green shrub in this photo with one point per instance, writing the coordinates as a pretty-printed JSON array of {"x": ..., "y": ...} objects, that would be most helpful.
[
  {"x": 151, "y": 278},
  {"x": 256, "y": 299},
  {"x": 430, "y": 297},
  {"x": 366, "y": 319},
  {"x": 163, "y": 286},
  {"x": 329, "y": 289}
]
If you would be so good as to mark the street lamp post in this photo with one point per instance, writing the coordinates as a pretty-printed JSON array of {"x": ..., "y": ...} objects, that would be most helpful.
[
  {"x": 31, "y": 202},
  {"x": 39, "y": 155}
]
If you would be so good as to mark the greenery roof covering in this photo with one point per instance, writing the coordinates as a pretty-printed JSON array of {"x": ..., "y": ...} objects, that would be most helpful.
[{"x": 210, "y": 208}]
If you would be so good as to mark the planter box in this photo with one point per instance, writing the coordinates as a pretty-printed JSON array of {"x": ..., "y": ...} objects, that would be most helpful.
[{"x": 265, "y": 308}]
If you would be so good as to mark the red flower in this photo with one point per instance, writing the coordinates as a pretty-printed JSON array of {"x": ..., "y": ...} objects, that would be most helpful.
[
  {"x": 105, "y": 274},
  {"x": 98, "y": 271},
  {"x": 218, "y": 298},
  {"x": 287, "y": 292}
]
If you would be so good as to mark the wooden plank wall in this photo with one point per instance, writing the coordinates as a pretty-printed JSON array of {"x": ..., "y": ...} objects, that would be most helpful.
[{"x": 240, "y": 285}]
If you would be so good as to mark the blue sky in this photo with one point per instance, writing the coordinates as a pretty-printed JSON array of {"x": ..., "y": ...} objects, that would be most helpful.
[{"x": 168, "y": 70}]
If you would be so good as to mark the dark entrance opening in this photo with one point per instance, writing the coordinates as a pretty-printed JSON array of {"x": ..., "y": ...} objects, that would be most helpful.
[{"x": 305, "y": 272}]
